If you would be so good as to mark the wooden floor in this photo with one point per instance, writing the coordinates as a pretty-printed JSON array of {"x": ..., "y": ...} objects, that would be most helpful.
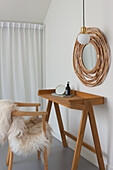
[{"x": 59, "y": 159}]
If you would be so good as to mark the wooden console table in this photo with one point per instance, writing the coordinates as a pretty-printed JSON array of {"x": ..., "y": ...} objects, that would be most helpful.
[{"x": 80, "y": 101}]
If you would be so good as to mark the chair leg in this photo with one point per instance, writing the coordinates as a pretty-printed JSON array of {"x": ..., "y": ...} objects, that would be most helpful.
[
  {"x": 8, "y": 155},
  {"x": 38, "y": 155},
  {"x": 38, "y": 152},
  {"x": 45, "y": 159},
  {"x": 10, "y": 160},
  {"x": 45, "y": 151}
]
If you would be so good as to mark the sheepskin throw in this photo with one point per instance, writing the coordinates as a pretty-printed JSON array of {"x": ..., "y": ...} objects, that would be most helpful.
[{"x": 25, "y": 137}]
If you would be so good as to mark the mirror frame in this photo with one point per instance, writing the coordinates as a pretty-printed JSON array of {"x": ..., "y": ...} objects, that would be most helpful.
[{"x": 97, "y": 75}]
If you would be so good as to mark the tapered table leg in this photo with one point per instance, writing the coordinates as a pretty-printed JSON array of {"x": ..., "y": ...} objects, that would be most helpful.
[
  {"x": 48, "y": 110},
  {"x": 80, "y": 139},
  {"x": 60, "y": 123},
  {"x": 96, "y": 138}
]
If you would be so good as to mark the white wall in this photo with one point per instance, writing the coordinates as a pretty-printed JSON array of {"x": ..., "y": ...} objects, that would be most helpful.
[
  {"x": 63, "y": 23},
  {"x": 24, "y": 11}
]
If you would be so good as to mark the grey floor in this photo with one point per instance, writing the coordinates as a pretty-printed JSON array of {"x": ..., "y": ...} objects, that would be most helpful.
[{"x": 59, "y": 159}]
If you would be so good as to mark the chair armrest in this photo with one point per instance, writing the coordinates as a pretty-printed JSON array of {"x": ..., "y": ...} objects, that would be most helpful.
[
  {"x": 27, "y": 104},
  {"x": 25, "y": 113}
]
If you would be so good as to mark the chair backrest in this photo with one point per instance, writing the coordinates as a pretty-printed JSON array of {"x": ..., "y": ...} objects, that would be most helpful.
[{"x": 9, "y": 109}]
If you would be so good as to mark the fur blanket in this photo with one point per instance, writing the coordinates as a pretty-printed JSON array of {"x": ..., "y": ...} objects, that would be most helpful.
[{"x": 25, "y": 137}]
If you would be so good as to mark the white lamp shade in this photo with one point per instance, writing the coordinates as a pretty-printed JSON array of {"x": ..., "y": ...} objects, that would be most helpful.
[{"x": 83, "y": 38}]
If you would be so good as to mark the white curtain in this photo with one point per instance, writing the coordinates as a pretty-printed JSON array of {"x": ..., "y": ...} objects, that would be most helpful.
[{"x": 21, "y": 56}]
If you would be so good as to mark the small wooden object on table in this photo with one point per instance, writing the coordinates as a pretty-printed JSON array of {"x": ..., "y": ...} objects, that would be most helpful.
[{"x": 80, "y": 101}]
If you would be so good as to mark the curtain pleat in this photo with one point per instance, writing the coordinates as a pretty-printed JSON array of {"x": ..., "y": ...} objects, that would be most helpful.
[
  {"x": 20, "y": 61},
  {"x": 14, "y": 63},
  {"x": 1, "y": 75}
]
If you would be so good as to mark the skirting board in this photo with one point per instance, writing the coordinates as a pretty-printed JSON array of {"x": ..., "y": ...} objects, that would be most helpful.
[{"x": 90, "y": 156}]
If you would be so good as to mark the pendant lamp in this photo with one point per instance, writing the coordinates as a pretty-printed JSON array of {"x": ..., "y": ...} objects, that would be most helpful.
[{"x": 83, "y": 37}]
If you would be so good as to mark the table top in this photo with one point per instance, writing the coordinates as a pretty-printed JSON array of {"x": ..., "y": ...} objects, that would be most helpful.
[{"x": 75, "y": 102}]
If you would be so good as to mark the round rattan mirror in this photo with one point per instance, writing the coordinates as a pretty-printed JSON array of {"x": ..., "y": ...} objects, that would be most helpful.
[
  {"x": 91, "y": 61},
  {"x": 89, "y": 57}
]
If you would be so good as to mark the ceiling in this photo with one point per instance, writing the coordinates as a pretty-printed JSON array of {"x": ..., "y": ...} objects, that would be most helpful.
[{"x": 33, "y": 11}]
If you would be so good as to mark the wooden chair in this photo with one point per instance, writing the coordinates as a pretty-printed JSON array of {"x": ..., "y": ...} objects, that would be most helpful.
[{"x": 9, "y": 161}]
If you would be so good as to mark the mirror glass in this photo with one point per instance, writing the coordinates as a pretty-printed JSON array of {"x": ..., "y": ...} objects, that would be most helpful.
[
  {"x": 89, "y": 56},
  {"x": 60, "y": 89}
]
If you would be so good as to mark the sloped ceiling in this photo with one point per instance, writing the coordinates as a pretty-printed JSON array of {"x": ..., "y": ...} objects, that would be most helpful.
[{"x": 24, "y": 10}]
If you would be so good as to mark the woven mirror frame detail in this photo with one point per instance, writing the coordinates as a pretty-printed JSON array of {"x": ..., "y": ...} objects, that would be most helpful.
[{"x": 97, "y": 75}]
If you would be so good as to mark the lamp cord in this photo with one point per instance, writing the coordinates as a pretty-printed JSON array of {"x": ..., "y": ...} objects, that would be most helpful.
[{"x": 83, "y": 15}]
